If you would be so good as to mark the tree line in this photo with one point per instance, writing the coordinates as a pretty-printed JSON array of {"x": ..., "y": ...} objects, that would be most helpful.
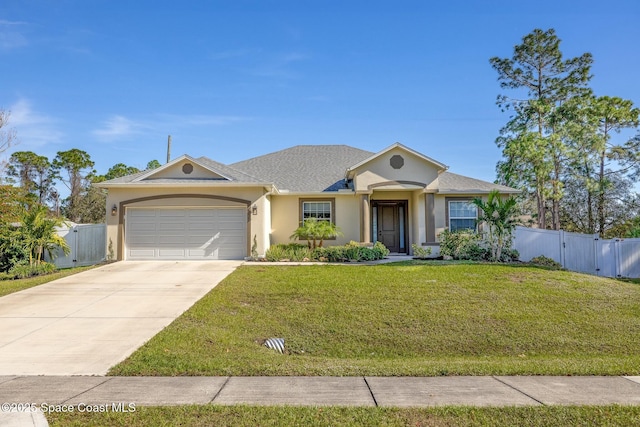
[
  {"x": 34, "y": 178},
  {"x": 558, "y": 145}
]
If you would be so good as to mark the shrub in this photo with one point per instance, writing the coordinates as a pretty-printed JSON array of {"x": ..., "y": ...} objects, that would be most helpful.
[
  {"x": 509, "y": 255},
  {"x": 463, "y": 245},
  {"x": 331, "y": 253},
  {"x": 420, "y": 252},
  {"x": 11, "y": 253},
  {"x": 544, "y": 261},
  {"x": 381, "y": 250},
  {"x": 23, "y": 271},
  {"x": 291, "y": 252},
  {"x": 367, "y": 254},
  {"x": 352, "y": 251}
]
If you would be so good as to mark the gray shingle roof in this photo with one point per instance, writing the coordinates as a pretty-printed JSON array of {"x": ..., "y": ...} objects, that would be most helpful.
[
  {"x": 454, "y": 183},
  {"x": 124, "y": 179},
  {"x": 305, "y": 167},
  {"x": 229, "y": 171},
  {"x": 309, "y": 168},
  {"x": 236, "y": 176}
]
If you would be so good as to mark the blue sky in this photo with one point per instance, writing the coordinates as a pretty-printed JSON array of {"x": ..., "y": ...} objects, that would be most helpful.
[{"x": 236, "y": 79}]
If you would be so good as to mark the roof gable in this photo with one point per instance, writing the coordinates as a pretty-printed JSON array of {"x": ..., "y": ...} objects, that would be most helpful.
[
  {"x": 396, "y": 167},
  {"x": 184, "y": 167},
  {"x": 401, "y": 147}
]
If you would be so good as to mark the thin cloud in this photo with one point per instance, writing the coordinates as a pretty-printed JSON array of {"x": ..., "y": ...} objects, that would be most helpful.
[
  {"x": 118, "y": 127},
  {"x": 11, "y": 35},
  {"x": 33, "y": 129}
]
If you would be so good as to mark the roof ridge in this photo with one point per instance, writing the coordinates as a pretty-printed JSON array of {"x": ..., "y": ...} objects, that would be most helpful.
[{"x": 233, "y": 169}]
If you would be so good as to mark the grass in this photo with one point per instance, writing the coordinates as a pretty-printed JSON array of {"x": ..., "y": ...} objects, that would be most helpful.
[
  {"x": 394, "y": 320},
  {"x": 342, "y": 416},
  {"x": 10, "y": 286}
]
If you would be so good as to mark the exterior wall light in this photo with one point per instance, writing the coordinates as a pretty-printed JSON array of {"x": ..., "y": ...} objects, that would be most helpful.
[
  {"x": 114, "y": 210},
  {"x": 254, "y": 210}
]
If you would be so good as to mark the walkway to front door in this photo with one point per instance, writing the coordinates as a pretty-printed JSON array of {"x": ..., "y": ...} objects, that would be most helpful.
[{"x": 389, "y": 224}]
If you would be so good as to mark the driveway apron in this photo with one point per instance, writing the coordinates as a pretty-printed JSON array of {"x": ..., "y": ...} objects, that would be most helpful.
[{"x": 86, "y": 323}]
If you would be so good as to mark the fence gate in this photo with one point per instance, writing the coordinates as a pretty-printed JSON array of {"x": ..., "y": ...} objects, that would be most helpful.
[
  {"x": 628, "y": 257},
  {"x": 87, "y": 243},
  {"x": 606, "y": 258},
  {"x": 579, "y": 252}
]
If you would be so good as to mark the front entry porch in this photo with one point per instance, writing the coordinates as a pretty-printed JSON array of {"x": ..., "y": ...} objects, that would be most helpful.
[{"x": 389, "y": 224}]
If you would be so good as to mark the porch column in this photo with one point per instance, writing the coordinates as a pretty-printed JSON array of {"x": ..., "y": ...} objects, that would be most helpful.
[
  {"x": 430, "y": 217},
  {"x": 365, "y": 219}
]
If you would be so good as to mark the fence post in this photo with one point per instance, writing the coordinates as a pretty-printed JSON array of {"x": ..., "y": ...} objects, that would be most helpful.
[
  {"x": 562, "y": 248},
  {"x": 616, "y": 257},
  {"x": 596, "y": 239}
]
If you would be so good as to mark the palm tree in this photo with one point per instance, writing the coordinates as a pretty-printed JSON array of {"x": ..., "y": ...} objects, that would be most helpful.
[
  {"x": 500, "y": 216},
  {"x": 37, "y": 234},
  {"x": 316, "y": 231}
]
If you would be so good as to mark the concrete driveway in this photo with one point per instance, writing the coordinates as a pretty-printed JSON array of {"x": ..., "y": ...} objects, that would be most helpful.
[{"x": 86, "y": 323}]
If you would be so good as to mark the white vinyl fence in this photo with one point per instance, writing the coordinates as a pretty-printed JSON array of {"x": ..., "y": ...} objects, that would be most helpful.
[
  {"x": 584, "y": 253},
  {"x": 87, "y": 243}
]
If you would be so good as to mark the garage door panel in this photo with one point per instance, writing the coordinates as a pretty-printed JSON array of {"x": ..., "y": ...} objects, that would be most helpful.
[
  {"x": 186, "y": 233},
  {"x": 144, "y": 225},
  {"x": 171, "y": 226},
  {"x": 201, "y": 229},
  {"x": 171, "y": 240},
  {"x": 141, "y": 241},
  {"x": 171, "y": 253},
  {"x": 142, "y": 253},
  {"x": 201, "y": 241},
  {"x": 165, "y": 213},
  {"x": 202, "y": 213}
]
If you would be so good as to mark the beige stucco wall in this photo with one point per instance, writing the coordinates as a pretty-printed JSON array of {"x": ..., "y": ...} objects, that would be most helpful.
[
  {"x": 379, "y": 170},
  {"x": 285, "y": 216},
  {"x": 259, "y": 225}
]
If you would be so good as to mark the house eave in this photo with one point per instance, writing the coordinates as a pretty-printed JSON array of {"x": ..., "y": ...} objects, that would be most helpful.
[
  {"x": 151, "y": 184},
  {"x": 152, "y": 172},
  {"x": 314, "y": 193},
  {"x": 472, "y": 191}
]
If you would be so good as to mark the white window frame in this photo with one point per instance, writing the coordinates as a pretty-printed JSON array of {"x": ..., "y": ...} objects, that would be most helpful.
[
  {"x": 323, "y": 211},
  {"x": 452, "y": 218}
]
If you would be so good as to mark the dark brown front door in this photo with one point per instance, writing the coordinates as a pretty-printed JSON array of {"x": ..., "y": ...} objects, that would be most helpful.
[{"x": 388, "y": 226}]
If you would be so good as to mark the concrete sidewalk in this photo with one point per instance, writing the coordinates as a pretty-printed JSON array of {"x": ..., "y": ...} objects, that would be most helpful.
[
  {"x": 45, "y": 393},
  {"x": 318, "y": 391}
]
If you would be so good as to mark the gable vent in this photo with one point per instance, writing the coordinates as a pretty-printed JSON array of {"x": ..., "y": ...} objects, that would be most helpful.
[{"x": 187, "y": 168}]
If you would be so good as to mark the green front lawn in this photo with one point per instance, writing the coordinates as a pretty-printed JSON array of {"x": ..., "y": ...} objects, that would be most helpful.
[
  {"x": 204, "y": 416},
  {"x": 410, "y": 319},
  {"x": 11, "y": 286}
]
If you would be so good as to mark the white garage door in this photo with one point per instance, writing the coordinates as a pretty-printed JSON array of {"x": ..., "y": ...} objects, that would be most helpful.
[{"x": 186, "y": 233}]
